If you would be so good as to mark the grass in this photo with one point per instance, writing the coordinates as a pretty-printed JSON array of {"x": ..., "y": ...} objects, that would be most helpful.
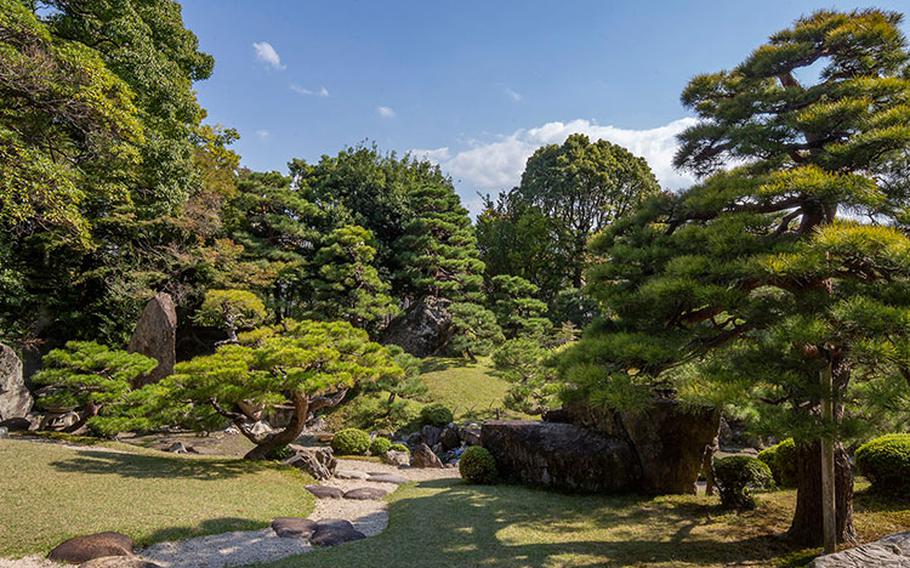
[
  {"x": 53, "y": 492},
  {"x": 470, "y": 390},
  {"x": 438, "y": 524}
]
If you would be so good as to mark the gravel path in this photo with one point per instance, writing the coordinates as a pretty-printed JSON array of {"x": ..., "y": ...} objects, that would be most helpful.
[{"x": 248, "y": 547}]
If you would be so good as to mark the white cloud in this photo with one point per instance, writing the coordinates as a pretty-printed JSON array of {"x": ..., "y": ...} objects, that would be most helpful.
[
  {"x": 385, "y": 112},
  {"x": 267, "y": 54},
  {"x": 263, "y": 134},
  {"x": 497, "y": 165},
  {"x": 322, "y": 92},
  {"x": 514, "y": 95}
]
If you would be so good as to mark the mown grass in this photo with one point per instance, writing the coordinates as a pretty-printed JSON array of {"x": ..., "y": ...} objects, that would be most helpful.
[
  {"x": 451, "y": 524},
  {"x": 52, "y": 492},
  {"x": 470, "y": 390}
]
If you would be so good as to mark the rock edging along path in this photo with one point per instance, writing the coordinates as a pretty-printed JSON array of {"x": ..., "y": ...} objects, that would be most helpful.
[{"x": 240, "y": 548}]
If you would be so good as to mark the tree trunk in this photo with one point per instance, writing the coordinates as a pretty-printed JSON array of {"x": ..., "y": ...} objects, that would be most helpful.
[
  {"x": 88, "y": 412},
  {"x": 806, "y": 527},
  {"x": 283, "y": 437}
]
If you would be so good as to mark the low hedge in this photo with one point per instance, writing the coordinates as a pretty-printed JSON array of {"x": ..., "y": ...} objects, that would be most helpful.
[
  {"x": 885, "y": 462},
  {"x": 351, "y": 441},
  {"x": 737, "y": 477},
  {"x": 436, "y": 414},
  {"x": 380, "y": 446},
  {"x": 478, "y": 466},
  {"x": 400, "y": 448},
  {"x": 781, "y": 459}
]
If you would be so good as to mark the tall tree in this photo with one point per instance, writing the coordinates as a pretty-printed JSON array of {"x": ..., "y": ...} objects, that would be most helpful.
[{"x": 753, "y": 282}]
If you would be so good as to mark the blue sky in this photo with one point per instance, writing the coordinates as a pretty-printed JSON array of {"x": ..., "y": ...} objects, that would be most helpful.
[{"x": 475, "y": 85}]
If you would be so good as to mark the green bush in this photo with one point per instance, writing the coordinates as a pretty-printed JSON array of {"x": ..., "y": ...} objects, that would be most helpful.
[
  {"x": 435, "y": 414},
  {"x": 737, "y": 476},
  {"x": 781, "y": 459},
  {"x": 380, "y": 446},
  {"x": 885, "y": 462},
  {"x": 400, "y": 448},
  {"x": 478, "y": 466},
  {"x": 281, "y": 453},
  {"x": 351, "y": 441}
]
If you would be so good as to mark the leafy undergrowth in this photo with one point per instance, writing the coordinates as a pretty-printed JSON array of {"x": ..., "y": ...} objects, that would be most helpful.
[
  {"x": 53, "y": 492},
  {"x": 449, "y": 524}
]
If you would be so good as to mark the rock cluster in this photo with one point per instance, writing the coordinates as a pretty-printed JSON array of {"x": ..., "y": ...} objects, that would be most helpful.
[
  {"x": 435, "y": 446},
  {"x": 327, "y": 532},
  {"x": 892, "y": 550},
  {"x": 319, "y": 462}
]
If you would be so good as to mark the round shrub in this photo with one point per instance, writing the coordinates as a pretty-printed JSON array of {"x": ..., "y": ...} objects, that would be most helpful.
[
  {"x": 885, "y": 462},
  {"x": 478, "y": 466},
  {"x": 781, "y": 459},
  {"x": 351, "y": 441},
  {"x": 400, "y": 448},
  {"x": 380, "y": 446},
  {"x": 435, "y": 414},
  {"x": 737, "y": 476}
]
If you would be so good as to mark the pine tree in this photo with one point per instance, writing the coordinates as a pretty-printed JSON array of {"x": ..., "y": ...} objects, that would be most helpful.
[
  {"x": 517, "y": 308},
  {"x": 231, "y": 310},
  {"x": 754, "y": 281},
  {"x": 346, "y": 285}
]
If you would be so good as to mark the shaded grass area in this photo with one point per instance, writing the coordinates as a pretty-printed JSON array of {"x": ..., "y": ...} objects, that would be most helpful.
[
  {"x": 470, "y": 390},
  {"x": 52, "y": 492},
  {"x": 452, "y": 524}
]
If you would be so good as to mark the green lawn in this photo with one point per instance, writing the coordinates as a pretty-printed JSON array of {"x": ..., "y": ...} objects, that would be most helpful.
[
  {"x": 470, "y": 390},
  {"x": 52, "y": 492},
  {"x": 451, "y": 524}
]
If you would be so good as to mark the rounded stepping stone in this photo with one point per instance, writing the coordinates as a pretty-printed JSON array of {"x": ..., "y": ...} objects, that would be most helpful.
[
  {"x": 84, "y": 548},
  {"x": 118, "y": 562},
  {"x": 366, "y": 494},
  {"x": 325, "y": 491},
  {"x": 351, "y": 474},
  {"x": 294, "y": 527},
  {"x": 330, "y": 532},
  {"x": 387, "y": 478}
]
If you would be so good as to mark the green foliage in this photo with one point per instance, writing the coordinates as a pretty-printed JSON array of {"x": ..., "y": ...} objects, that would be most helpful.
[
  {"x": 380, "y": 446},
  {"x": 737, "y": 477},
  {"x": 518, "y": 311},
  {"x": 478, "y": 466},
  {"x": 346, "y": 285},
  {"x": 351, "y": 442},
  {"x": 89, "y": 377},
  {"x": 885, "y": 462},
  {"x": 399, "y": 448},
  {"x": 474, "y": 330},
  {"x": 281, "y": 453},
  {"x": 534, "y": 384},
  {"x": 231, "y": 310},
  {"x": 782, "y": 460},
  {"x": 436, "y": 414}
]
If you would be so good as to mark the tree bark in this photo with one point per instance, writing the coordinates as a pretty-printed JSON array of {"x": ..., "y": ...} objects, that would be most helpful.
[
  {"x": 806, "y": 527},
  {"x": 283, "y": 437}
]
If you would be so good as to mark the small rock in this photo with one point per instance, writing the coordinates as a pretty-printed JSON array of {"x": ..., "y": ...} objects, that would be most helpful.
[
  {"x": 232, "y": 430},
  {"x": 450, "y": 437},
  {"x": 260, "y": 428},
  {"x": 177, "y": 448},
  {"x": 319, "y": 462},
  {"x": 430, "y": 435},
  {"x": 366, "y": 494},
  {"x": 59, "y": 420},
  {"x": 4, "y": 432},
  {"x": 471, "y": 434},
  {"x": 394, "y": 457},
  {"x": 387, "y": 478},
  {"x": 423, "y": 457},
  {"x": 325, "y": 491},
  {"x": 84, "y": 548},
  {"x": 330, "y": 532},
  {"x": 118, "y": 562},
  {"x": 351, "y": 474},
  {"x": 294, "y": 527},
  {"x": 21, "y": 424}
]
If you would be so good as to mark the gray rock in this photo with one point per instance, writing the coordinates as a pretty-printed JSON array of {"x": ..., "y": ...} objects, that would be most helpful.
[
  {"x": 562, "y": 456},
  {"x": 156, "y": 337},
  {"x": 319, "y": 462},
  {"x": 366, "y": 494},
  {"x": 15, "y": 398},
  {"x": 325, "y": 491},
  {"x": 4, "y": 432},
  {"x": 450, "y": 438},
  {"x": 260, "y": 428},
  {"x": 351, "y": 474},
  {"x": 294, "y": 527},
  {"x": 178, "y": 448},
  {"x": 22, "y": 424},
  {"x": 429, "y": 435},
  {"x": 424, "y": 329},
  {"x": 380, "y": 477},
  {"x": 889, "y": 552},
  {"x": 59, "y": 420},
  {"x": 394, "y": 457},
  {"x": 118, "y": 562},
  {"x": 471, "y": 435},
  {"x": 331, "y": 532},
  {"x": 423, "y": 457},
  {"x": 84, "y": 548}
]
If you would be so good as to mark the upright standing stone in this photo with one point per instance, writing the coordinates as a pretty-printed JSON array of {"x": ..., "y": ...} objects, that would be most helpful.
[
  {"x": 15, "y": 399},
  {"x": 156, "y": 337}
]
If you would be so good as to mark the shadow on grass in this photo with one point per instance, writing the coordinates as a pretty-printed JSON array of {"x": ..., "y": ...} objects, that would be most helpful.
[
  {"x": 145, "y": 467},
  {"x": 449, "y": 523},
  {"x": 871, "y": 502},
  {"x": 435, "y": 364}
]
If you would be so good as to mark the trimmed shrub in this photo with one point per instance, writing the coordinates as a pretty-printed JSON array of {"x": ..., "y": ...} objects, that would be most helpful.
[
  {"x": 478, "y": 466},
  {"x": 281, "y": 453},
  {"x": 436, "y": 414},
  {"x": 885, "y": 462},
  {"x": 380, "y": 446},
  {"x": 400, "y": 448},
  {"x": 781, "y": 459},
  {"x": 351, "y": 441},
  {"x": 737, "y": 477}
]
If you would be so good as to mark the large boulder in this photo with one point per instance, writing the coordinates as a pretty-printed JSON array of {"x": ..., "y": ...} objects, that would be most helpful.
[
  {"x": 423, "y": 457},
  {"x": 294, "y": 527},
  {"x": 318, "y": 461},
  {"x": 423, "y": 330},
  {"x": 84, "y": 548},
  {"x": 330, "y": 532},
  {"x": 562, "y": 456},
  {"x": 892, "y": 551},
  {"x": 156, "y": 337},
  {"x": 15, "y": 398}
]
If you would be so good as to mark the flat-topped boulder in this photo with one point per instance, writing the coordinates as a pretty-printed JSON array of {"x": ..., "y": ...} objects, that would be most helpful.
[
  {"x": 294, "y": 527},
  {"x": 84, "y": 548},
  {"x": 366, "y": 494},
  {"x": 892, "y": 551},
  {"x": 331, "y": 532},
  {"x": 325, "y": 491}
]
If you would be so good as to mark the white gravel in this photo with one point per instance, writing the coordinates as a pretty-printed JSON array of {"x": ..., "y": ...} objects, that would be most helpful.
[{"x": 249, "y": 547}]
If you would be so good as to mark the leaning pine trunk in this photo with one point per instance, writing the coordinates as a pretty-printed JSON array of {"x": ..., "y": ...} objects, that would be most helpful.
[
  {"x": 283, "y": 437},
  {"x": 806, "y": 527}
]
